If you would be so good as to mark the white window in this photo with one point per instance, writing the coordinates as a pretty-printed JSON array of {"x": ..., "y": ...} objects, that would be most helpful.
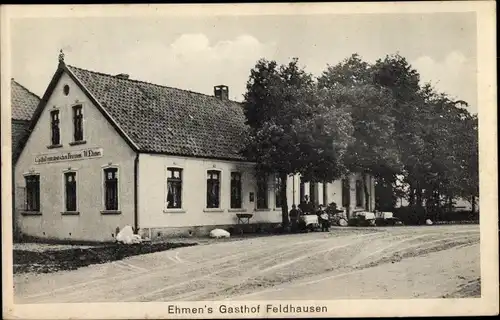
[
  {"x": 111, "y": 188},
  {"x": 213, "y": 188},
  {"x": 70, "y": 191},
  {"x": 174, "y": 188}
]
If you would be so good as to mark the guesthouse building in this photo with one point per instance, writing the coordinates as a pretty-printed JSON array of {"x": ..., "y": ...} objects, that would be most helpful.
[{"x": 106, "y": 151}]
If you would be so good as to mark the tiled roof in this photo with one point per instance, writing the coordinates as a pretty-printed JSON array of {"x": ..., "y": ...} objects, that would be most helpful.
[
  {"x": 24, "y": 102},
  {"x": 160, "y": 119},
  {"x": 19, "y": 130}
]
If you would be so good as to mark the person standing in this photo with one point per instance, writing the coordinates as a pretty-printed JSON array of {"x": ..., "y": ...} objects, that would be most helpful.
[
  {"x": 294, "y": 217},
  {"x": 324, "y": 219}
]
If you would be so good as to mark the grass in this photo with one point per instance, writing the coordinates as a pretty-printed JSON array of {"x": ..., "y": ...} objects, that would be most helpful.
[{"x": 49, "y": 261}]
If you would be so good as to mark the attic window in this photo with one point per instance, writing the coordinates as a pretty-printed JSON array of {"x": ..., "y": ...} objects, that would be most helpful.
[{"x": 66, "y": 90}]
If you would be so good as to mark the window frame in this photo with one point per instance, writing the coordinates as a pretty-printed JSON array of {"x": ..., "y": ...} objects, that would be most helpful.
[
  {"x": 277, "y": 191},
  {"x": 51, "y": 136},
  {"x": 360, "y": 195},
  {"x": 240, "y": 190},
  {"x": 65, "y": 210},
  {"x": 262, "y": 179},
  {"x": 325, "y": 193},
  {"x": 104, "y": 210},
  {"x": 346, "y": 186},
  {"x": 74, "y": 107},
  {"x": 207, "y": 172},
  {"x": 181, "y": 174},
  {"x": 31, "y": 174}
]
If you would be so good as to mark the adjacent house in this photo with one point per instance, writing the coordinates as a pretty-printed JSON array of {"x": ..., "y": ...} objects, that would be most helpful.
[
  {"x": 23, "y": 105},
  {"x": 107, "y": 151}
]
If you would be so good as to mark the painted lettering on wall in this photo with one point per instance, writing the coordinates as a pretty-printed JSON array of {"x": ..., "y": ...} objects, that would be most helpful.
[{"x": 69, "y": 156}]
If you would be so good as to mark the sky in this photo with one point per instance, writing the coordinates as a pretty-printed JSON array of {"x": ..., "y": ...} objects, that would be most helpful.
[{"x": 197, "y": 53}]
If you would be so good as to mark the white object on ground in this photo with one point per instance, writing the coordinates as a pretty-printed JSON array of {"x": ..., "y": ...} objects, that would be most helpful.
[
  {"x": 219, "y": 233},
  {"x": 428, "y": 222},
  {"x": 384, "y": 215},
  {"x": 127, "y": 236},
  {"x": 310, "y": 219},
  {"x": 368, "y": 215}
]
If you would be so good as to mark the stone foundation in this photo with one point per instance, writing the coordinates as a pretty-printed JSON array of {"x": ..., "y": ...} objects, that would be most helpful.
[{"x": 203, "y": 231}]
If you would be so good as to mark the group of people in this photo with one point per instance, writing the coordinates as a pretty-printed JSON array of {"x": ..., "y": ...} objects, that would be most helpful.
[{"x": 306, "y": 207}]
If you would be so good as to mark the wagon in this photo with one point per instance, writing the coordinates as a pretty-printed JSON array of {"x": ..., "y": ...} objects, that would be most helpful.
[{"x": 308, "y": 222}]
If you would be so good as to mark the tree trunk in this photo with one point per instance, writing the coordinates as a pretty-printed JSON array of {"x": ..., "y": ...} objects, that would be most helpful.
[
  {"x": 473, "y": 205},
  {"x": 367, "y": 193},
  {"x": 284, "y": 202}
]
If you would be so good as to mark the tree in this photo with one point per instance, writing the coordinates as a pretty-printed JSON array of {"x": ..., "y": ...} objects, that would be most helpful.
[
  {"x": 373, "y": 148},
  {"x": 436, "y": 138},
  {"x": 293, "y": 128}
]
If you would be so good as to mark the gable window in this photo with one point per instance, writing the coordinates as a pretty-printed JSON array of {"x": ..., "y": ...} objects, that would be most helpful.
[
  {"x": 235, "y": 190},
  {"x": 262, "y": 192},
  {"x": 54, "y": 125},
  {"x": 359, "y": 193},
  {"x": 111, "y": 189},
  {"x": 277, "y": 191},
  {"x": 77, "y": 123},
  {"x": 70, "y": 191},
  {"x": 174, "y": 188},
  {"x": 32, "y": 192},
  {"x": 346, "y": 197},
  {"x": 213, "y": 189}
]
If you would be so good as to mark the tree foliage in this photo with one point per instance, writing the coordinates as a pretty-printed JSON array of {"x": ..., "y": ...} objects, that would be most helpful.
[
  {"x": 293, "y": 127},
  {"x": 374, "y": 118}
]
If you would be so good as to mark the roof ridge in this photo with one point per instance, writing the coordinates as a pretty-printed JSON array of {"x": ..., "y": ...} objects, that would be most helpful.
[
  {"x": 25, "y": 89},
  {"x": 149, "y": 83}
]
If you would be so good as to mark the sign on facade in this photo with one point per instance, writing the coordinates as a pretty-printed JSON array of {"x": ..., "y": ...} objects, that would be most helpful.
[{"x": 69, "y": 156}]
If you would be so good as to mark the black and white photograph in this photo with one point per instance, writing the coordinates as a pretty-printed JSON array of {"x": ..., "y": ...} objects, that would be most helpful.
[{"x": 249, "y": 160}]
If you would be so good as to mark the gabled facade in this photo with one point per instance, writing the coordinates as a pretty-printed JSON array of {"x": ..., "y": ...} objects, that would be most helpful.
[{"x": 106, "y": 151}]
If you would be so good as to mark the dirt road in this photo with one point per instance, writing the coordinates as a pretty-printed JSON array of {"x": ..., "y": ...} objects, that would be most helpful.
[{"x": 399, "y": 262}]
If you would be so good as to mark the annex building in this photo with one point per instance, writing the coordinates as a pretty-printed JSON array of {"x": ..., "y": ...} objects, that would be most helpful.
[{"x": 105, "y": 151}]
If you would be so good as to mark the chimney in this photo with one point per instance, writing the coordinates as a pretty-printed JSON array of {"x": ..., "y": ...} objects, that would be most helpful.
[
  {"x": 221, "y": 92},
  {"x": 122, "y": 76}
]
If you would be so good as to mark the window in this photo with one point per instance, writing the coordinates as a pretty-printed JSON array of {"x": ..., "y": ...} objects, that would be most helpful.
[
  {"x": 313, "y": 197},
  {"x": 174, "y": 188},
  {"x": 277, "y": 191},
  {"x": 302, "y": 191},
  {"x": 359, "y": 193},
  {"x": 54, "y": 124},
  {"x": 262, "y": 193},
  {"x": 77, "y": 123},
  {"x": 111, "y": 189},
  {"x": 213, "y": 189},
  {"x": 70, "y": 191},
  {"x": 32, "y": 192},
  {"x": 235, "y": 190},
  {"x": 346, "y": 197}
]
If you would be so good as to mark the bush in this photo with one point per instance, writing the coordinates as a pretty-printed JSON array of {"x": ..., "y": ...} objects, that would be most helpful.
[
  {"x": 417, "y": 216},
  {"x": 462, "y": 215},
  {"x": 411, "y": 215}
]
